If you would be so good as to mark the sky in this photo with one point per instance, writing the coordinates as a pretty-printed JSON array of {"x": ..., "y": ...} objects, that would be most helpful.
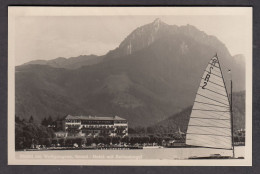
[{"x": 49, "y": 37}]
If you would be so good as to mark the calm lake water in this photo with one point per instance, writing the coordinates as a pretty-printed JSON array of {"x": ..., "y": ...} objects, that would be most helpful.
[{"x": 161, "y": 153}]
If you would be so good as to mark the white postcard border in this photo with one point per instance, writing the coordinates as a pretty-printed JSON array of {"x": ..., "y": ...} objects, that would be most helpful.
[{"x": 14, "y": 12}]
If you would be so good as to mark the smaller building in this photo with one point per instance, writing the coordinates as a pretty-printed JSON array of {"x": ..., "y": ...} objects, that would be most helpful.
[
  {"x": 96, "y": 126},
  {"x": 60, "y": 134},
  {"x": 60, "y": 125}
]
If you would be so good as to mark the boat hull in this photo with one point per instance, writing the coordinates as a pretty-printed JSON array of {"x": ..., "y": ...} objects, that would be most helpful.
[{"x": 211, "y": 157}]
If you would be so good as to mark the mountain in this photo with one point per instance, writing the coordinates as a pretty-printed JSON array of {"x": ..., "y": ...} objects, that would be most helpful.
[
  {"x": 148, "y": 34},
  {"x": 181, "y": 119},
  {"x": 152, "y": 74},
  {"x": 70, "y": 63}
]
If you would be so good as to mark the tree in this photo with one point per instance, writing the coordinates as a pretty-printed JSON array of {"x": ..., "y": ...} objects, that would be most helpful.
[
  {"x": 95, "y": 140},
  {"x": 89, "y": 141},
  {"x": 125, "y": 139},
  {"x": 49, "y": 121},
  {"x": 47, "y": 142},
  {"x": 116, "y": 140},
  {"x": 54, "y": 142},
  {"x": 134, "y": 140},
  {"x": 144, "y": 139},
  {"x": 69, "y": 142},
  {"x": 152, "y": 139},
  {"x": 19, "y": 137},
  {"x": 101, "y": 139},
  {"x": 31, "y": 119},
  {"x": 44, "y": 122},
  {"x": 17, "y": 119},
  {"x": 27, "y": 134},
  {"x": 108, "y": 140},
  {"x": 61, "y": 141}
]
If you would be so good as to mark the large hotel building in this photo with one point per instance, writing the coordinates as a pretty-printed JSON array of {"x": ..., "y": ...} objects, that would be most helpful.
[{"x": 96, "y": 126}]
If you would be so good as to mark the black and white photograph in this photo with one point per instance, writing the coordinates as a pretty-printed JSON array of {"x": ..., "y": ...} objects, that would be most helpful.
[{"x": 130, "y": 86}]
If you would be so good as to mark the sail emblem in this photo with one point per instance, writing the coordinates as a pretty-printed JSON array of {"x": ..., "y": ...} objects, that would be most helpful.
[
  {"x": 210, "y": 119},
  {"x": 206, "y": 79}
]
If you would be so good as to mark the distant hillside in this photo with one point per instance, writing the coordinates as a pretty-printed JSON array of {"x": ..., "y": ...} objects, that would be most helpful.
[
  {"x": 239, "y": 105},
  {"x": 181, "y": 119},
  {"x": 153, "y": 74},
  {"x": 70, "y": 63}
]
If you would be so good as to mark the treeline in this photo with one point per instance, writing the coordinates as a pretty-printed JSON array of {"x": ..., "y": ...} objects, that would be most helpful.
[
  {"x": 148, "y": 130},
  {"x": 28, "y": 133},
  {"x": 156, "y": 131},
  {"x": 95, "y": 141},
  {"x": 55, "y": 124},
  {"x": 47, "y": 121}
]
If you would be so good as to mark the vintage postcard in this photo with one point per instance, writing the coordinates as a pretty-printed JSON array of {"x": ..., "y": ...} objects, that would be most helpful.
[{"x": 140, "y": 86}]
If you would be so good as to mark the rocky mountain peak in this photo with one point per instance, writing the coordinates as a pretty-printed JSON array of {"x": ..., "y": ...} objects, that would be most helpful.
[
  {"x": 148, "y": 34},
  {"x": 142, "y": 37},
  {"x": 157, "y": 23},
  {"x": 157, "y": 20}
]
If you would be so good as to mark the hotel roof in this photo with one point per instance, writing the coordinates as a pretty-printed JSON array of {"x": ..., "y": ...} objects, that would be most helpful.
[{"x": 93, "y": 118}]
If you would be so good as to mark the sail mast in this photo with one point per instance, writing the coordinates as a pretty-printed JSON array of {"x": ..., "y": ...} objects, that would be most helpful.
[{"x": 231, "y": 112}]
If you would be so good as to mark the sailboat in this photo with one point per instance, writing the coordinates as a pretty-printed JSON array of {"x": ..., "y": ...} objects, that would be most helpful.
[{"x": 211, "y": 122}]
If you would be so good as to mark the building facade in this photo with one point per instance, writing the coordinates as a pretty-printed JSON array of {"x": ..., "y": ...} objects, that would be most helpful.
[{"x": 96, "y": 126}]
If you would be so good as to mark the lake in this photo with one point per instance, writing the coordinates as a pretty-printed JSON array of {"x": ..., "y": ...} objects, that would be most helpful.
[{"x": 134, "y": 154}]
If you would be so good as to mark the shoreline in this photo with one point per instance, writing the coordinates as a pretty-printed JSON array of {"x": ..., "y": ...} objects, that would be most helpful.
[{"x": 109, "y": 148}]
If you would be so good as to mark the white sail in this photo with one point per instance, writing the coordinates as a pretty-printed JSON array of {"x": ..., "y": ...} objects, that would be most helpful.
[{"x": 210, "y": 119}]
